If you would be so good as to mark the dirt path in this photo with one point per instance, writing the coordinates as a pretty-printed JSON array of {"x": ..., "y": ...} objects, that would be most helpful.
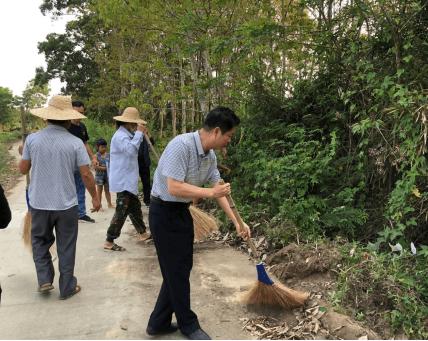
[{"x": 118, "y": 289}]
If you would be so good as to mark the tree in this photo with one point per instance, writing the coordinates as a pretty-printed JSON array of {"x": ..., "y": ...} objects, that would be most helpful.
[{"x": 6, "y": 104}]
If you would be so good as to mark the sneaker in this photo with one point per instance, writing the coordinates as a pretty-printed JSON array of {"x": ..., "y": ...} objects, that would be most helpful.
[{"x": 87, "y": 219}]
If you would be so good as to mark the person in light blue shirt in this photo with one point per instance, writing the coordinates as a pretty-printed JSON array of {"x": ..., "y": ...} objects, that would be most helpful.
[{"x": 123, "y": 176}]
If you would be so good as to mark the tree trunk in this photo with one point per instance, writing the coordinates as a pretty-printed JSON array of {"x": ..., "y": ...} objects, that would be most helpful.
[
  {"x": 192, "y": 117},
  {"x": 162, "y": 115},
  {"x": 183, "y": 99},
  {"x": 198, "y": 92},
  {"x": 209, "y": 71},
  {"x": 174, "y": 118}
]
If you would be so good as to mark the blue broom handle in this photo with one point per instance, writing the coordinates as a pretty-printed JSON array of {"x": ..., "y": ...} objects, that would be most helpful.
[{"x": 240, "y": 221}]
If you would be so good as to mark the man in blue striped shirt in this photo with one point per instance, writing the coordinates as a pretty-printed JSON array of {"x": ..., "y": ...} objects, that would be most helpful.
[
  {"x": 187, "y": 163},
  {"x": 53, "y": 155}
]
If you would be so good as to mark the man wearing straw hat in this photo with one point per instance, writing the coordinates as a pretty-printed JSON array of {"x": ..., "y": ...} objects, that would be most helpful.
[
  {"x": 187, "y": 163},
  {"x": 53, "y": 155},
  {"x": 123, "y": 176}
]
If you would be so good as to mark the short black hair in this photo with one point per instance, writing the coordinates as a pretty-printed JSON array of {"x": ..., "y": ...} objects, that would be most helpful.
[
  {"x": 101, "y": 142},
  {"x": 119, "y": 124},
  {"x": 58, "y": 122},
  {"x": 221, "y": 117},
  {"x": 77, "y": 104}
]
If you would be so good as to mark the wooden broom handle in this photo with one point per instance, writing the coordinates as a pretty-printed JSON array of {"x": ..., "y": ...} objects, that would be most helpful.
[
  {"x": 151, "y": 147},
  {"x": 240, "y": 221}
]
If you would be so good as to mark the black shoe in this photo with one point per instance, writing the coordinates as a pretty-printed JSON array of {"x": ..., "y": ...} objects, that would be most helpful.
[
  {"x": 198, "y": 334},
  {"x": 171, "y": 329},
  {"x": 87, "y": 219},
  {"x": 147, "y": 203}
]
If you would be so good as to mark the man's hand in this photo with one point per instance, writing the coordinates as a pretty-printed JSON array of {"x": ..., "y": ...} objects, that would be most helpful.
[
  {"x": 142, "y": 127},
  {"x": 95, "y": 162},
  {"x": 219, "y": 191},
  {"x": 244, "y": 232},
  {"x": 96, "y": 204}
]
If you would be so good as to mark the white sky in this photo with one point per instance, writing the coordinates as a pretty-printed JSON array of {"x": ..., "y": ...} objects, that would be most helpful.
[{"x": 22, "y": 26}]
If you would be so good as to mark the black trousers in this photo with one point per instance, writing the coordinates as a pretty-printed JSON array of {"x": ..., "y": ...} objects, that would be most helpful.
[
  {"x": 65, "y": 224},
  {"x": 172, "y": 231},
  {"x": 145, "y": 180}
]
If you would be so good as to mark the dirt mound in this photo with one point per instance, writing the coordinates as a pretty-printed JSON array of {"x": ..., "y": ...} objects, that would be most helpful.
[{"x": 303, "y": 260}]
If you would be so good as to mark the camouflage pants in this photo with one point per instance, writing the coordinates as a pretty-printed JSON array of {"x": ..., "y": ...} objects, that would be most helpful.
[{"x": 126, "y": 204}]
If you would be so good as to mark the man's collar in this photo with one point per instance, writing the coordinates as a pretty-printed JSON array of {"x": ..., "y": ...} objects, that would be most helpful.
[{"x": 198, "y": 142}]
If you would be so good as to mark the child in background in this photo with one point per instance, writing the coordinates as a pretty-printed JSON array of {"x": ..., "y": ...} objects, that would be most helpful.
[{"x": 101, "y": 171}]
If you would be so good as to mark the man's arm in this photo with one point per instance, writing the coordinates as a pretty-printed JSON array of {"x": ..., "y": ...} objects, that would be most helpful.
[
  {"x": 91, "y": 154},
  {"x": 224, "y": 204},
  {"x": 24, "y": 166},
  {"x": 89, "y": 181},
  {"x": 185, "y": 190},
  {"x": 130, "y": 146}
]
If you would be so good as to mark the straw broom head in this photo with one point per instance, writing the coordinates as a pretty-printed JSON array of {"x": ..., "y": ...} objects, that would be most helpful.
[
  {"x": 26, "y": 236},
  {"x": 275, "y": 295},
  {"x": 266, "y": 292},
  {"x": 26, "y": 230},
  {"x": 203, "y": 223}
]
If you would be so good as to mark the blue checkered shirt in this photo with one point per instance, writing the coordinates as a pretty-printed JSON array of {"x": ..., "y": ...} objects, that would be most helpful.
[
  {"x": 184, "y": 160},
  {"x": 55, "y": 156}
]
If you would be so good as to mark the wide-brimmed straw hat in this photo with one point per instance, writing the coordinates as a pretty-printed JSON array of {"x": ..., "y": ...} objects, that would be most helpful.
[
  {"x": 130, "y": 115},
  {"x": 59, "y": 108}
]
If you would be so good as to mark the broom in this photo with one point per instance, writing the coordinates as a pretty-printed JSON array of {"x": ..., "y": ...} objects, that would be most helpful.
[
  {"x": 203, "y": 223},
  {"x": 265, "y": 291}
]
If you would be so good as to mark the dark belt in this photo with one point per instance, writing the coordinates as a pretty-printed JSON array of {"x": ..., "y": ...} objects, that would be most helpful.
[{"x": 174, "y": 204}]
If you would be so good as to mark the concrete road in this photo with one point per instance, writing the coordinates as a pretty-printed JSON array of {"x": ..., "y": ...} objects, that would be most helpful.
[{"x": 119, "y": 289}]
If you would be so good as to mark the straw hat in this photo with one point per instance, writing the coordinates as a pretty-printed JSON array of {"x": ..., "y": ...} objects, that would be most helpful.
[
  {"x": 59, "y": 108},
  {"x": 130, "y": 115}
]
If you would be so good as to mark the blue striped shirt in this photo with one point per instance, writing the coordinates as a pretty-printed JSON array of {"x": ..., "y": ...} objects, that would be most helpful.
[
  {"x": 184, "y": 160},
  {"x": 55, "y": 155},
  {"x": 123, "y": 166}
]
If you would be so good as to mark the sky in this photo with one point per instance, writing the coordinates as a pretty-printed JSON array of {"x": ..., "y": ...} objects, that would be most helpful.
[{"x": 22, "y": 26}]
